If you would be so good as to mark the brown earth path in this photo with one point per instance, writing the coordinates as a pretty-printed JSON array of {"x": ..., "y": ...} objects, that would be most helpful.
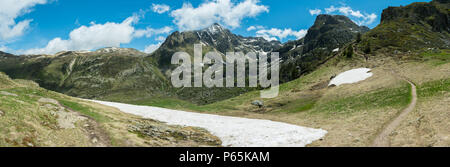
[{"x": 382, "y": 139}]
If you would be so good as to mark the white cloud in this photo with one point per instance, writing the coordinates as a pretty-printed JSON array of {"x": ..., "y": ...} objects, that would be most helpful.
[
  {"x": 357, "y": 16},
  {"x": 251, "y": 28},
  {"x": 151, "y": 48},
  {"x": 160, "y": 8},
  {"x": 217, "y": 11},
  {"x": 91, "y": 37},
  {"x": 9, "y": 11},
  {"x": 315, "y": 11},
  {"x": 160, "y": 38},
  {"x": 148, "y": 32},
  {"x": 278, "y": 34},
  {"x": 3, "y": 48},
  {"x": 98, "y": 35}
]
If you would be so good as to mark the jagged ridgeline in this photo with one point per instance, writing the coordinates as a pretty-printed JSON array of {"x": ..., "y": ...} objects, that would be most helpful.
[{"x": 213, "y": 38}]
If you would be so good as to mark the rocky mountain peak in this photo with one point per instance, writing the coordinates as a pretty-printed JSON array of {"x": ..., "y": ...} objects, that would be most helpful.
[
  {"x": 331, "y": 31},
  {"x": 218, "y": 38},
  {"x": 215, "y": 28},
  {"x": 323, "y": 19},
  {"x": 328, "y": 34}
]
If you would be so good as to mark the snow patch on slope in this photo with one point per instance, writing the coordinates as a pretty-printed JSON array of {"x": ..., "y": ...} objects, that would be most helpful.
[
  {"x": 336, "y": 50},
  {"x": 233, "y": 131},
  {"x": 351, "y": 76}
]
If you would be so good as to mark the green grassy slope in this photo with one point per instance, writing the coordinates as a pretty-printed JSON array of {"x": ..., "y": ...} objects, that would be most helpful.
[
  {"x": 359, "y": 109},
  {"x": 31, "y": 116}
]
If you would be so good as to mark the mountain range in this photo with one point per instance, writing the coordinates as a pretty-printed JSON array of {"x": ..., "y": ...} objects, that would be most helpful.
[{"x": 120, "y": 73}]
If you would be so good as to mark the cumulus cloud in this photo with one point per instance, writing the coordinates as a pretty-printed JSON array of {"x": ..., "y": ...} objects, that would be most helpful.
[
  {"x": 252, "y": 28},
  {"x": 160, "y": 38},
  {"x": 96, "y": 36},
  {"x": 357, "y": 16},
  {"x": 10, "y": 10},
  {"x": 160, "y": 8},
  {"x": 151, "y": 48},
  {"x": 3, "y": 48},
  {"x": 91, "y": 37},
  {"x": 279, "y": 34},
  {"x": 315, "y": 11},
  {"x": 217, "y": 11},
  {"x": 148, "y": 32}
]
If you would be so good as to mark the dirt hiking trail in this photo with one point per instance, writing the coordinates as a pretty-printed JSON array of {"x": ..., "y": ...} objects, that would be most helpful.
[{"x": 382, "y": 139}]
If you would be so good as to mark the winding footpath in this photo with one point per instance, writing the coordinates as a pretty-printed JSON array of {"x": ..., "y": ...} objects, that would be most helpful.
[
  {"x": 232, "y": 131},
  {"x": 382, "y": 140}
]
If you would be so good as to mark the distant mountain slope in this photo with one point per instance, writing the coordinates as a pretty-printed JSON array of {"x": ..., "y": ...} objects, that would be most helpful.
[
  {"x": 105, "y": 73},
  {"x": 328, "y": 34},
  {"x": 417, "y": 26}
]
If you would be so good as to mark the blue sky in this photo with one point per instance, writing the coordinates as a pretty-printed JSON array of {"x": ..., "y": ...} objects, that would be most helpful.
[{"x": 48, "y": 26}]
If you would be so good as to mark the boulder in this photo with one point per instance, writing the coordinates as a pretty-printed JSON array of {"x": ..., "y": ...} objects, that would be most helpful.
[{"x": 258, "y": 103}]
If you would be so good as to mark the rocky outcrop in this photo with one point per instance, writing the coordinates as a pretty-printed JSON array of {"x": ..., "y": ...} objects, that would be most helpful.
[
  {"x": 159, "y": 134},
  {"x": 417, "y": 26},
  {"x": 435, "y": 14}
]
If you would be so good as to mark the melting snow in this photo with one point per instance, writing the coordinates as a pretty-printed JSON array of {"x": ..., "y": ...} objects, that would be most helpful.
[
  {"x": 336, "y": 50},
  {"x": 83, "y": 51},
  {"x": 233, "y": 131},
  {"x": 295, "y": 46},
  {"x": 109, "y": 49},
  {"x": 351, "y": 76}
]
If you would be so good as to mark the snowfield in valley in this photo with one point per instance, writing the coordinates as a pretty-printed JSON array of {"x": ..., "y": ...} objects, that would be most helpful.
[
  {"x": 351, "y": 76},
  {"x": 233, "y": 131}
]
